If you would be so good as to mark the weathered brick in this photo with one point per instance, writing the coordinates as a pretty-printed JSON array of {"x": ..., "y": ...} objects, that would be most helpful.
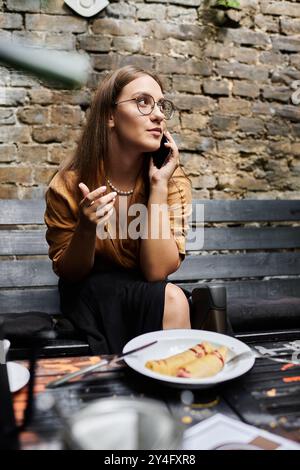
[
  {"x": 192, "y": 32},
  {"x": 223, "y": 123},
  {"x": 49, "y": 134},
  {"x": 194, "y": 164},
  {"x": 234, "y": 106},
  {"x": 194, "y": 142},
  {"x": 200, "y": 194},
  {"x": 295, "y": 149},
  {"x": 121, "y": 10},
  {"x": 95, "y": 43},
  {"x": 80, "y": 97},
  {"x": 59, "y": 153},
  {"x": 193, "y": 121},
  {"x": 295, "y": 167},
  {"x": 9, "y": 191},
  {"x": 155, "y": 47},
  {"x": 237, "y": 70},
  {"x": 280, "y": 8},
  {"x": 186, "y": 48},
  {"x": 32, "y": 153},
  {"x": 32, "y": 192},
  {"x": 239, "y": 182},
  {"x": 186, "y": 3},
  {"x": 246, "y": 89},
  {"x": 247, "y": 146},
  {"x": 147, "y": 12},
  {"x": 133, "y": 44},
  {"x": 277, "y": 93},
  {"x": 186, "y": 15},
  {"x": 288, "y": 112},
  {"x": 20, "y": 79},
  {"x": 15, "y": 174},
  {"x": 195, "y": 102},
  {"x": 7, "y": 116},
  {"x": 251, "y": 125},
  {"x": 295, "y": 60},
  {"x": 218, "y": 51},
  {"x": 60, "y": 41},
  {"x": 33, "y": 115},
  {"x": 244, "y": 36},
  {"x": 4, "y": 76},
  {"x": 278, "y": 128},
  {"x": 12, "y": 96},
  {"x": 267, "y": 23},
  {"x": 71, "y": 116},
  {"x": 295, "y": 130},
  {"x": 94, "y": 80},
  {"x": 245, "y": 55},
  {"x": 216, "y": 87},
  {"x": 20, "y": 5},
  {"x": 7, "y": 153},
  {"x": 55, "y": 7},
  {"x": 114, "y": 27},
  {"x": 188, "y": 66},
  {"x": 290, "y": 26},
  {"x": 43, "y": 175},
  {"x": 41, "y": 96},
  {"x": 187, "y": 83},
  {"x": 289, "y": 44},
  {"x": 59, "y": 24},
  {"x": 279, "y": 149},
  {"x": 114, "y": 61},
  {"x": 207, "y": 181},
  {"x": 14, "y": 134},
  {"x": 273, "y": 58},
  {"x": 221, "y": 164},
  {"x": 11, "y": 21},
  {"x": 34, "y": 38},
  {"x": 263, "y": 108}
]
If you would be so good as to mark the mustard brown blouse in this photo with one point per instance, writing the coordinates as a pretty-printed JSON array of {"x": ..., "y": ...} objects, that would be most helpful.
[{"x": 62, "y": 214}]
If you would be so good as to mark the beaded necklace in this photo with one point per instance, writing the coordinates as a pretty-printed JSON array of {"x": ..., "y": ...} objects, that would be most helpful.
[{"x": 119, "y": 191}]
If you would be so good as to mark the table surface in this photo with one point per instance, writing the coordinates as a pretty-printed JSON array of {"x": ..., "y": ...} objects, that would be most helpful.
[{"x": 188, "y": 407}]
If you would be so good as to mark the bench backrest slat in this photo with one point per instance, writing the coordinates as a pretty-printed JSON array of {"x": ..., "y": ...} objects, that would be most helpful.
[
  {"x": 247, "y": 210},
  {"x": 29, "y": 300},
  {"x": 238, "y": 266},
  {"x": 38, "y": 272},
  {"x": 32, "y": 242},
  {"x": 26, "y": 211},
  {"x": 31, "y": 211}
]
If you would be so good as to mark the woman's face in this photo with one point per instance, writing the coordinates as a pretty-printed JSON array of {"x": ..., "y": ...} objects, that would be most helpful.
[{"x": 133, "y": 129}]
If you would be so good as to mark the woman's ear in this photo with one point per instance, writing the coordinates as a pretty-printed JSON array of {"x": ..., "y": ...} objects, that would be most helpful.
[{"x": 111, "y": 121}]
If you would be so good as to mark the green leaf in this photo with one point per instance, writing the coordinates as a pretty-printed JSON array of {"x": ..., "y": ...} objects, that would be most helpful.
[{"x": 228, "y": 4}]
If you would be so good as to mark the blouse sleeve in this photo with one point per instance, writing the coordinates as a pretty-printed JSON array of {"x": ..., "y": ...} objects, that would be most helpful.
[
  {"x": 180, "y": 207},
  {"x": 60, "y": 221}
]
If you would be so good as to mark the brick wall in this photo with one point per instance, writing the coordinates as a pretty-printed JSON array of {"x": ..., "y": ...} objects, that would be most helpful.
[{"x": 237, "y": 128}]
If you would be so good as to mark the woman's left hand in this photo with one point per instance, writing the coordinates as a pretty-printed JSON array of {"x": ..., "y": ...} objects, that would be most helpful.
[{"x": 163, "y": 174}]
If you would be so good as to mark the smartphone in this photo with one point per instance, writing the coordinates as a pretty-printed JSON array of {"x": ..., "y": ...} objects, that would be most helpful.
[{"x": 161, "y": 154}]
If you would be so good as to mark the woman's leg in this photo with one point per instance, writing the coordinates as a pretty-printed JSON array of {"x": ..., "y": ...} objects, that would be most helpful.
[{"x": 176, "y": 311}]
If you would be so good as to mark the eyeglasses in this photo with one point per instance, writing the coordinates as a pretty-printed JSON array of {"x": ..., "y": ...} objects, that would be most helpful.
[{"x": 146, "y": 103}]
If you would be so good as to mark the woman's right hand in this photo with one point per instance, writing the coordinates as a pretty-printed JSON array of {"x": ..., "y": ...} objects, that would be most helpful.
[{"x": 95, "y": 209}]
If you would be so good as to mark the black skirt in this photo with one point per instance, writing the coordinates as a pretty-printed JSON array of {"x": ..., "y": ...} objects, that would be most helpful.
[{"x": 112, "y": 306}]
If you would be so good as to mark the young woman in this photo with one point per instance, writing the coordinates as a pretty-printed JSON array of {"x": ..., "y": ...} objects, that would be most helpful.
[{"x": 112, "y": 281}]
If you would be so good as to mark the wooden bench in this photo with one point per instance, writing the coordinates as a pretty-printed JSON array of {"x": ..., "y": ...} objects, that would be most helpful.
[{"x": 252, "y": 246}]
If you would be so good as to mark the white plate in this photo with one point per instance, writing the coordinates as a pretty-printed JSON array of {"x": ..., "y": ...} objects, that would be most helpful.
[
  {"x": 18, "y": 376},
  {"x": 175, "y": 341}
]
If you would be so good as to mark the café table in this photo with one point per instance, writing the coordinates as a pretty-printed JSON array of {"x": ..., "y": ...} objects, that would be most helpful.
[{"x": 54, "y": 406}]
